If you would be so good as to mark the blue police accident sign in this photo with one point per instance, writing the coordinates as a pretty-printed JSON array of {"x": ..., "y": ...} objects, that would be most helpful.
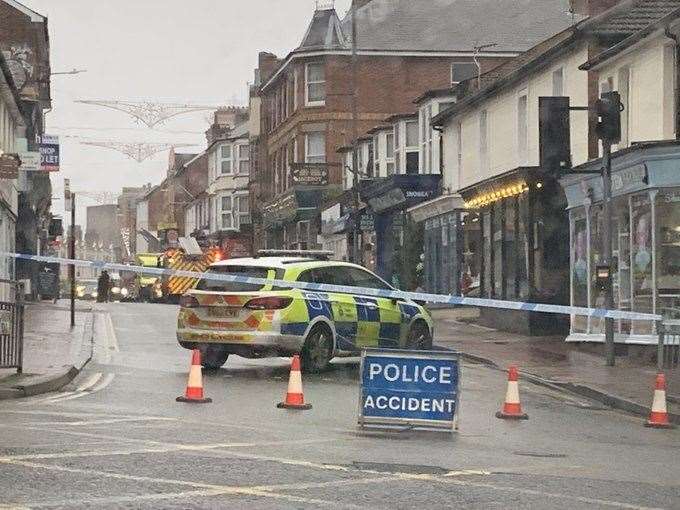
[{"x": 409, "y": 388}]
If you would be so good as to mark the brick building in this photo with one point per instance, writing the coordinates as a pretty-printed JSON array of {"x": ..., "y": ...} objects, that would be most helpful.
[
  {"x": 404, "y": 48},
  {"x": 25, "y": 52}
]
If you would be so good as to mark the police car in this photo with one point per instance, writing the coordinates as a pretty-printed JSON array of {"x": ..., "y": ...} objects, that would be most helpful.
[{"x": 254, "y": 320}]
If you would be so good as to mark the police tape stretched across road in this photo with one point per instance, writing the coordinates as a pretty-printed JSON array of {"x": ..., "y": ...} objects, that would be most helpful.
[{"x": 320, "y": 287}]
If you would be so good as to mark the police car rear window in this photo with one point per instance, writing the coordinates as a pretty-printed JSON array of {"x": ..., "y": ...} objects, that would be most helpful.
[{"x": 220, "y": 286}]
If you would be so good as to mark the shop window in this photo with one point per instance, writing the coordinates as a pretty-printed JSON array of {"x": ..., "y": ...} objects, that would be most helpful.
[
  {"x": 497, "y": 229},
  {"x": 303, "y": 229},
  {"x": 471, "y": 254},
  {"x": 487, "y": 247},
  {"x": 523, "y": 247},
  {"x": 510, "y": 246},
  {"x": 315, "y": 84},
  {"x": 597, "y": 297},
  {"x": 579, "y": 269},
  {"x": 369, "y": 160},
  {"x": 641, "y": 261},
  {"x": 621, "y": 260},
  {"x": 668, "y": 254}
]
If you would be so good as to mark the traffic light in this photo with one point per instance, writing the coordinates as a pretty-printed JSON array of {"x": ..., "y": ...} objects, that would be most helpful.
[
  {"x": 608, "y": 109},
  {"x": 554, "y": 133}
]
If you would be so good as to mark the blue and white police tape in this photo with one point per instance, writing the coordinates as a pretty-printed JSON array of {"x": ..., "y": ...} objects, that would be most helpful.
[{"x": 365, "y": 291}]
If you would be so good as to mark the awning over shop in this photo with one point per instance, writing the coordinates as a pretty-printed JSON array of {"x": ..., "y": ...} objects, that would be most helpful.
[
  {"x": 294, "y": 205},
  {"x": 401, "y": 191},
  {"x": 436, "y": 207}
]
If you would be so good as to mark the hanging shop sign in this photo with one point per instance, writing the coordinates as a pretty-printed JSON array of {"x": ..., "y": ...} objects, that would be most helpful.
[
  {"x": 9, "y": 166},
  {"x": 367, "y": 222},
  {"x": 49, "y": 153},
  {"x": 30, "y": 161},
  {"x": 310, "y": 174}
]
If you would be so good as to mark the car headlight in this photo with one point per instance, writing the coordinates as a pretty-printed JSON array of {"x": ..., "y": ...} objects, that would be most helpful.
[
  {"x": 80, "y": 292},
  {"x": 95, "y": 294},
  {"x": 115, "y": 290},
  {"x": 124, "y": 291},
  {"x": 159, "y": 293}
]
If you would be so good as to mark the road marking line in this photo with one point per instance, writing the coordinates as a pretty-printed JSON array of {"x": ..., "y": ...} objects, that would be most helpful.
[
  {"x": 97, "y": 422},
  {"x": 111, "y": 334},
  {"x": 226, "y": 489},
  {"x": 160, "y": 449},
  {"x": 104, "y": 383},
  {"x": 90, "y": 381},
  {"x": 329, "y": 467}
]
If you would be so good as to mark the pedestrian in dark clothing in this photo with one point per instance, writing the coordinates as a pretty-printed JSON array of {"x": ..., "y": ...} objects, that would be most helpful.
[{"x": 103, "y": 286}]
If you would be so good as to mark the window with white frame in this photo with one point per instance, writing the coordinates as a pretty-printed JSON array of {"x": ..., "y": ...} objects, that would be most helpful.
[
  {"x": 242, "y": 210},
  {"x": 459, "y": 146},
  {"x": 315, "y": 84},
  {"x": 226, "y": 212},
  {"x": 461, "y": 71},
  {"x": 315, "y": 147},
  {"x": 295, "y": 89},
  {"x": 376, "y": 155},
  {"x": 558, "y": 82},
  {"x": 389, "y": 153},
  {"x": 483, "y": 141},
  {"x": 397, "y": 148},
  {"x": 522, "y": 128},
  {"x": 243, "y": 159},
  {"x": 411, "y": 149},
  {"x": 224, "y": 159}
]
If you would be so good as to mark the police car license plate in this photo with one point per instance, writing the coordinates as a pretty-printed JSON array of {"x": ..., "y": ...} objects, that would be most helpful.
[{"x": 223, "y": 311}]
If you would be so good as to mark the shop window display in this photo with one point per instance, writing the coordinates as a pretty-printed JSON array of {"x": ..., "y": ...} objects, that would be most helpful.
[
  {"x": 641, "y": 261},
  {"x": 579, "y": 269},
  {"x": 668, "y": 254}
]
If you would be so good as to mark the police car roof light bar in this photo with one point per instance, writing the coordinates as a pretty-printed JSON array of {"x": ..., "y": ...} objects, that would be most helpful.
[{"x": 314, "y": 254}]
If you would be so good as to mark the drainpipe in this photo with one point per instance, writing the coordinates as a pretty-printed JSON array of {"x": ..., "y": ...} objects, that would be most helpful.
[{"x": 674, "y": 38}]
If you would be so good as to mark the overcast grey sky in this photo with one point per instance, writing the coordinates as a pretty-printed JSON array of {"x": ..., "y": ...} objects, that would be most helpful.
[{"x": 200, "y": 51}]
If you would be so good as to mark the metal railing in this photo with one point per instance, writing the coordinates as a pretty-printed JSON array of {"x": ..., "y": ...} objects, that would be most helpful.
[{"x": 12, "y": 328}]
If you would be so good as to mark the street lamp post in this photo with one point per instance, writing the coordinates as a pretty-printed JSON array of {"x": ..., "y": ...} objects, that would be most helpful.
[{"x": 356, "y": 255}]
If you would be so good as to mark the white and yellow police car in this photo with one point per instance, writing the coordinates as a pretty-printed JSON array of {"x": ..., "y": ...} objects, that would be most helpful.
[{"x": 253, "y": 320}]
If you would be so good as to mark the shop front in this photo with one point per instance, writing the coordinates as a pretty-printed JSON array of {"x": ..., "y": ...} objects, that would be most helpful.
[
  {"x": 292, "y": 221},
  {"x": 398, "y": 241},
  {"x": 645, "y": 240},
  {"x": 443, "y": 220},
  {"x": 514, "y": 247}
]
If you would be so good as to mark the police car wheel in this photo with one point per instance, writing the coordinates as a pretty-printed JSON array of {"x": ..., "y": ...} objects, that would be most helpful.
[
  {"x": 318, "y": 350},
  {"x": 213, "y": 357},
  {"x": 419, "y": 337}
]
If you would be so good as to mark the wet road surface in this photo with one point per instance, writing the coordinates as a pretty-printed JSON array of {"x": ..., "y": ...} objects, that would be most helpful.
[{"x": 116, "y": 438}]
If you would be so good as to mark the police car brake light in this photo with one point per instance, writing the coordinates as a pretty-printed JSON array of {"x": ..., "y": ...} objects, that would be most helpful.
[
  {"x": 268, "y": 303},
  {"x": 188, "y": 302}
]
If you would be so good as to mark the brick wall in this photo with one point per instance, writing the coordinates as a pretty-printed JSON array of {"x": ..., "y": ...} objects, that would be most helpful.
[{"x": 386, "y": 85}]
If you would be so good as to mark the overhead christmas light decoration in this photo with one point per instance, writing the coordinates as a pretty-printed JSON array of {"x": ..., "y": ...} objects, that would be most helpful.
[
  {"x": 101, "y": 197},
  {"x": 149, "y": 113},
  {"x": 139, "y": 151}
]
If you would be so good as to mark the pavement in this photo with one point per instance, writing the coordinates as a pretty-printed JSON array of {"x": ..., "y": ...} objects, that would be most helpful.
[
  {"x": 54, "y": 353},
  {"x": 551, "y": 361},
  {"x": 116, "y": 438}
]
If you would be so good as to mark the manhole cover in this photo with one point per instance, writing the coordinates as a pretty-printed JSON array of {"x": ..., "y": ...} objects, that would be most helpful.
[
  {"x": 400, "y": 468},
  {"x": 541, "y": 455}
]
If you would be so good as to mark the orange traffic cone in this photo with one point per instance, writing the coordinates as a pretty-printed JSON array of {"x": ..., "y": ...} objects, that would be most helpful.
[
  {"x": 294, "y": 397},
  {"x": 658, "y": 418},
  {"x": 194, "y": 391},
  {"x": 512, "y": 409}
]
